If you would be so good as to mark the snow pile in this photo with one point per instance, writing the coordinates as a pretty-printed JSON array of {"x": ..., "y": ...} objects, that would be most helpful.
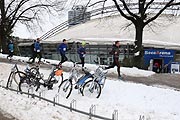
[
  {"x": 124, "y": 70},
  {"x": 131, "y": 100}
]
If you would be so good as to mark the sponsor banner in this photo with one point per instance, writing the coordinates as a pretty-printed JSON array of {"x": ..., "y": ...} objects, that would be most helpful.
[{"x": 159, "y": 53}]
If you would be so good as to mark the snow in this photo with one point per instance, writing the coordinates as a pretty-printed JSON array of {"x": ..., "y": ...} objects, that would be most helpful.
[
  {"x": 109, "y": 29},
  {"x": 124, "y": 70},
  {"x": 52, "y": 21},
  {"x": 130, "y": 99}
]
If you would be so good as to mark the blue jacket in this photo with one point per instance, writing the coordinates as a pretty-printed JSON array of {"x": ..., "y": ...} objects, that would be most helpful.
[
  {"x": 37, "y": 47},
  {"x": 11, "y": 47},
  {"x": 82, "y": 52},
  {"x": 62, "y": 48}
]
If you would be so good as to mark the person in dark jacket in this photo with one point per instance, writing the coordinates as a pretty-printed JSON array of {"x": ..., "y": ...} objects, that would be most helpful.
[
  {"x": 82, "y": 51},
  {"x": 37, "y": 49},
  {"x": 115, "y": 52},
  {"x": 33, "y": 50},
  {"x": 62, "y": 50},
  {"x": 11, "y": 49}
]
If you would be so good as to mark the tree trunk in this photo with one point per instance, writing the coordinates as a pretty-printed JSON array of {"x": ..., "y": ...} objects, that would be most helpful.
[
  {"x": 3, "y": 43},
  {"x": 138, "y": 52},
  {"x": 3, "y": 39}
]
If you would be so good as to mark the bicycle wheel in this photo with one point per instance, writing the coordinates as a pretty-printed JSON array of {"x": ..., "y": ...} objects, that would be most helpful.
[
  {"x": 34, "y": 72},
  {"x": 10, "y": 80},
  {"x": 24, "y": 83},
  {"x": 56, "y": 79},
  {"x": 102, "y": 82},
  {"x": 17, "y": 76},
  {"x": 65, "y": 88},
  {"x": 92, "y": 89}
]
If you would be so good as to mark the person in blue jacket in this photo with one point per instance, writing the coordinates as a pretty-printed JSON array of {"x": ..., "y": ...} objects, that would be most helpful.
[
  {"x": 11, "y": 49},
  {"x": 82, "y": 52},
  {"x": 37, "y": 49},
  {"x": 62, "y": 50}
]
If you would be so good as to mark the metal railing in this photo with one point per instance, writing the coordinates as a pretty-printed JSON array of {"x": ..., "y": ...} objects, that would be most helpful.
[{"x": 72, "y": 106}]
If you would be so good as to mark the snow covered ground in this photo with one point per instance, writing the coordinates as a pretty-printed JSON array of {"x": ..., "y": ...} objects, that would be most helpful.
[{"x": 130, "y": 99}]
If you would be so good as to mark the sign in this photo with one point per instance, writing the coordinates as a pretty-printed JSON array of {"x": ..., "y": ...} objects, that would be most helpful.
[
  {"x": 167, "y": 56},
  {"x": 175, "y": 68},
  {"x": 159, "y": 53}
]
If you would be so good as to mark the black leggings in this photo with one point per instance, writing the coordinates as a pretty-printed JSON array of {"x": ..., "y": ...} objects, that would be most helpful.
[
  {"x": 115, "y": 63},
  {"x": 63, "y": 58},
  {"x": 35, "y": 55},
  {"x": 10, "y": 54},
  {"x": 82, "y": 61}
]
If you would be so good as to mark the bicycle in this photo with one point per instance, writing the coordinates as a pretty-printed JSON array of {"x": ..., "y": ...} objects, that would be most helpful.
[
  {"x": 66, "y": 87},
  {"x": 94, "y": 87},
  {"x": 15, "y": 75},
  {"x": 54, "y": 76},
  {"x": 11, "y": 76},
  {"x": 29, "y": 79}
]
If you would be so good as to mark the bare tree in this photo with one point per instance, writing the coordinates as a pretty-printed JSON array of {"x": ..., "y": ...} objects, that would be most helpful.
[
  {"x": 140, "y": 18},
  {"x": 24, "y": 11}
]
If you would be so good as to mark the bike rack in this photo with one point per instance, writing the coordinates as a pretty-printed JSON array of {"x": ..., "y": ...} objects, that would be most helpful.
[
  {"x": 41, "y": 94},
  {"x": 18, "y": 90},
  {"x": 92, "y": 111},
  {"x": 30, "y": 89},
  {"x": 56, "y": 99},
  {"x": 1, "y": 83},
  {"x": 72, "y": 105},
  {"x": 141, "y": 117},
  {"x": 115, "y": 115}
]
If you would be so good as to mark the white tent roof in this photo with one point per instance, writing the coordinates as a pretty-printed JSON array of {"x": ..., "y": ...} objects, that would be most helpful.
[{"x": 164, "y": 32}]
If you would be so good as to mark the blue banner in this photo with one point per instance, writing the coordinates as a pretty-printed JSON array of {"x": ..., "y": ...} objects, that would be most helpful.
[
  {"x": 166, "y": 55},
  {"x": 159, "y": 53}
]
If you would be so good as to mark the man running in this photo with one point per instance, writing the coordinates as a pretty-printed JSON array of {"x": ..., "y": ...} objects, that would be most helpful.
[
  {"x": 11, "y": 49},
  {"x": 62, "y": 49},
  {"x": 37, "y": 49},
  {"x": 115, "y": 52}
]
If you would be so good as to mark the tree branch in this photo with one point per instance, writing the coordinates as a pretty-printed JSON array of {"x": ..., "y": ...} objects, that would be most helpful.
[
  {"x": 9, "y": 6},
  {"x": 148, "y": 4},
  {"x": 97, "y": 3},
  {"x": 32, "y": 7},
  {"x": 13, "y": 13},
  {"x": 160, "y": 12},
  {"x": 127, "y": 9},
  {"x": 172, "y": 4},
  {"x": 122, "y": 13}
]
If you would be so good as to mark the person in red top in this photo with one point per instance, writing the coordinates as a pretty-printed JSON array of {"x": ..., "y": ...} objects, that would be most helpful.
[{"x": 156, "y": 67}]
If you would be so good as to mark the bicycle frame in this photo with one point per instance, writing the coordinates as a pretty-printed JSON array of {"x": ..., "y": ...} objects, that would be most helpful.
[
  {"x": 74, "y": 72},
  {"x": 48, "y": 82},
  {"x": 14, "y": 69},
  {"x": 100, "y": 75}
]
